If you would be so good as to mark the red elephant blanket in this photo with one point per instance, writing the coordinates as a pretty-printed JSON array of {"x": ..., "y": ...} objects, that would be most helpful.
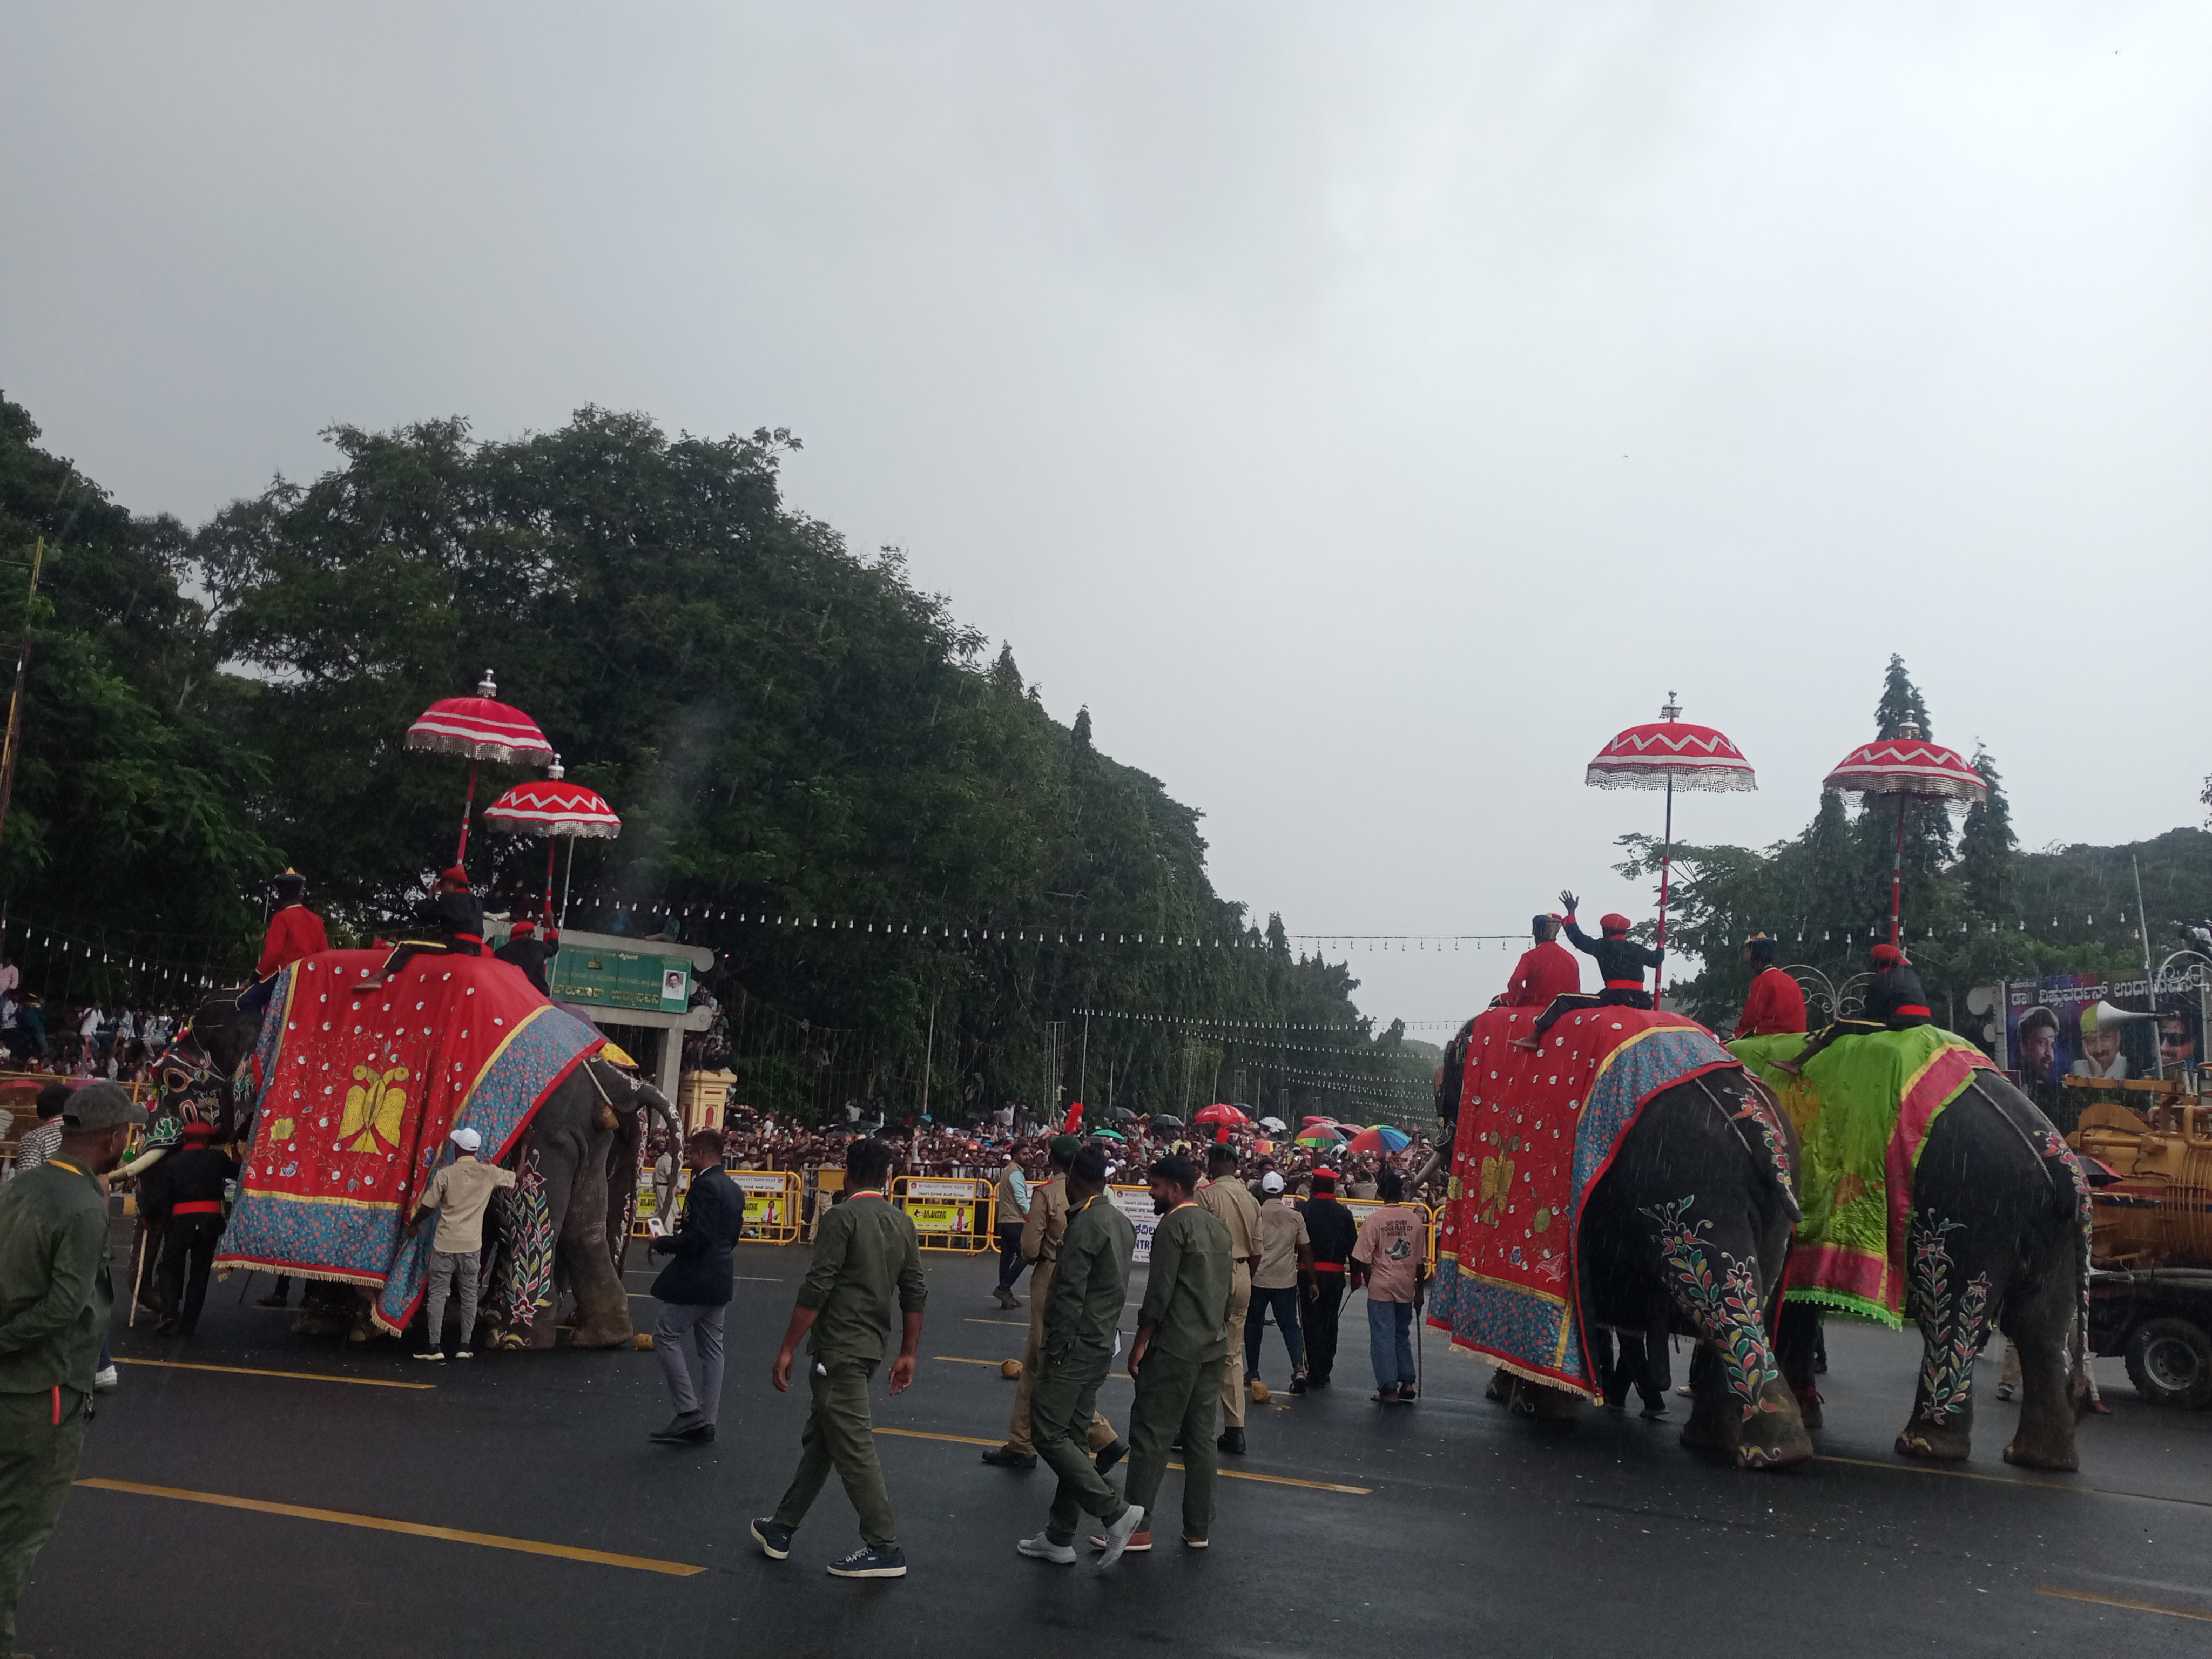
[
  {"x": 354, "y": 1096},
  {"x": 1536, "y": 1131}
]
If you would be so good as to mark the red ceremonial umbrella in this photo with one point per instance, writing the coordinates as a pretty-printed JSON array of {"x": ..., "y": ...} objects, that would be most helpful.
[
  {"x": 551, "y": 807},
  {"x": 482, "y": 730},
  {"x": 1911, "y": 768},
  {"x": 1220, "y": 1113},
  {"x": 1668, "y": 753}
]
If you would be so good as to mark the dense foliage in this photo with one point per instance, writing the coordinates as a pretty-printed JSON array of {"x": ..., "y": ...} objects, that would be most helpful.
[{"x": 786, "y": 726}]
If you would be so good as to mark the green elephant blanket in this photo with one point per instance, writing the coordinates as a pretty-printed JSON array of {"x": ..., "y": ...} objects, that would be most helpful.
[{"x": 1863, "y": 1109}]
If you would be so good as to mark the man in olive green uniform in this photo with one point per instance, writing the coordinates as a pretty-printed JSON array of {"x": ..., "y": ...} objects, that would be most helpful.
[
  {"x": 866, "y": 1250},
  {"x": 1230, "y": 1201},
  {"x": 1177, "y": 1357},
  {"x": 55, "y": 1298},
  {"x": 1083, "y": 1314},
  {"x": 1041, "y": 1237}
]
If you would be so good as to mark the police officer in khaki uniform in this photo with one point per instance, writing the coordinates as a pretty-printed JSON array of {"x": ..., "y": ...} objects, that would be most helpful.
[
  {"x": 1040, "y": 1238},
  {"x": 1231, "y": 1202}
]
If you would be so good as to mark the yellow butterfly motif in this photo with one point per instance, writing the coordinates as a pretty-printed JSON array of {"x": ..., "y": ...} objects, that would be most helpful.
[{"x": 376, "y": 1110}]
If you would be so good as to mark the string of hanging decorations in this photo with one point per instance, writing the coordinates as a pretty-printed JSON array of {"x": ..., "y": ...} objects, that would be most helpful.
[{"x": 26, "y": 933}]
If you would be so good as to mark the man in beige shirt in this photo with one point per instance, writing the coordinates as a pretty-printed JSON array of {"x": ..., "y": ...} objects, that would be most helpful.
[
  {"x": 1041, "y": 1237},
  {"x": 1230, "y": 1203},
  {"x": 1012, "y": 1206},
  {"x": 459, "y": 1193}
]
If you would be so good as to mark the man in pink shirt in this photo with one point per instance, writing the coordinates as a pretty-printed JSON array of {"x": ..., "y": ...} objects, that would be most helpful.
[{"x": 1391, "y": 1259}]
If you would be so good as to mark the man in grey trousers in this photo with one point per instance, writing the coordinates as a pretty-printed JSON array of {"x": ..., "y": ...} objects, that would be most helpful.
[{"x": 694, "y": 1290}]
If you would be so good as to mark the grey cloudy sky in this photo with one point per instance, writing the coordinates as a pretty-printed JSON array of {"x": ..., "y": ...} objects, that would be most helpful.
[{"x": 1366, "y": 410}]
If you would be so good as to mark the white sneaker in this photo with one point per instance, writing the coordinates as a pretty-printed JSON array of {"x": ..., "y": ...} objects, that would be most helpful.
[
  {"x": 466, "y": 1353},
  {"x": 1041, "y": 1548},
  {"x": 104, "y": 1379},
  {"x": 433, "y": 1354},
  {"x": 1118, "y": 1534}
]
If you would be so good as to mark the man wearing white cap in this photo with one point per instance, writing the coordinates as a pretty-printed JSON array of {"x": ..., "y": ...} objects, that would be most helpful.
[
  {"x": 1285, "y": 1252},
  {"x": 459, "y": 1192}
]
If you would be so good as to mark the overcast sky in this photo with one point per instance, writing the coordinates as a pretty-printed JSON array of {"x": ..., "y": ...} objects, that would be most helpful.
[{"x": 1366, "y": 410}]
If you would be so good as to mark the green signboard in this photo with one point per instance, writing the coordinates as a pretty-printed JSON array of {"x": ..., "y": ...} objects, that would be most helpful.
[{"x": 622, "y": 979}]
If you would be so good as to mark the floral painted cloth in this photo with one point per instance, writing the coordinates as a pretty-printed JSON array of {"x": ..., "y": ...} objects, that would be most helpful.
[
  {"x": 357, "y": 1094},
  {"x": 1536, "y": 1131},
  {"x": 1863, "y": 1109}
]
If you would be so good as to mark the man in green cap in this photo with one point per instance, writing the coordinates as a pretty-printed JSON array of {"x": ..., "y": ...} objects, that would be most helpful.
[
  {"x": 1041, "y": 1237},
  {"x": 1176, "y": 1361},
  {"x": 1083, "y": 1314},
  {"x": 55, "y": 1297},
  {"x": 866, "y": 1256}
]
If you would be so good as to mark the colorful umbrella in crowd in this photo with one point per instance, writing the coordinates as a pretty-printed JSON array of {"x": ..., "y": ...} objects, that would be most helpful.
[
  {"x": 1319, "y": 1135},
  {"x": 1911, "y": 768},
  {"x": 483, "y": 730},
  {"x": 551, "y": 807},
  {"x": 1220, "y": 1113},
  {"x": 1379, "y": 1138},
  {"x": 1661, "y": 755},
  {"x": 1106, "y": 1134}
]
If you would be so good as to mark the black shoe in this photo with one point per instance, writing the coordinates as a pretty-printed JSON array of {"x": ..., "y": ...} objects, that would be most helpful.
[
  {"x": 1297, "y": 1385},
  {"x": 702, "y": 1435},
  {"x": 1108, "y": 1456},
  {"x": 1232, "y": 1440},
  {"x": 684, "y": 1426},
  {"x": 774, "y": 1541},
  {"x": 1005, "y": 1457}
]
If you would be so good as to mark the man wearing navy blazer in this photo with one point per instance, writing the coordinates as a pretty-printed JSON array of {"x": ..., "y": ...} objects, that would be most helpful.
[{"x": 695, "y": 1289}]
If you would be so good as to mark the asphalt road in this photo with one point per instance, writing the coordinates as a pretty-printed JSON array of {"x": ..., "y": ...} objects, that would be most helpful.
[{"x": 1444, "y": 1526}]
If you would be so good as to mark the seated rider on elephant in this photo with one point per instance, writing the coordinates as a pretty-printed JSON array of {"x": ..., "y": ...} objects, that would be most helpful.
[
  {"x": 1896, "y": 1001},
  {"x": 1620, "y": 961}
]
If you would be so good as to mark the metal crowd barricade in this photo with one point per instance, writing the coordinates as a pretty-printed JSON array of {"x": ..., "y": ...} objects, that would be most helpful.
[
  {"x": 949, "y": 1213},
  {"x": 823, "y": 1182},
  {"x": 772, "y": 1204}
]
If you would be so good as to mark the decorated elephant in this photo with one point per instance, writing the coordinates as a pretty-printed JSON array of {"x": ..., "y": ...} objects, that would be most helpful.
[
  {"x": 1628, "y": 1175},
  {"x": 352, "y": 1096},
  {"x": 1936, "y": 1190}
]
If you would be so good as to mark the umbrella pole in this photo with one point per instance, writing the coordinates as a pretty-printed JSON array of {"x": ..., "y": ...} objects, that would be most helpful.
[
  {"x": 1665, "y": 869},
  {"x": 567, "y": 877},
  {"x": 468, "y": 805},
  {"x": 1897, "y": 870},
  {"x": 548, "y": 880}
]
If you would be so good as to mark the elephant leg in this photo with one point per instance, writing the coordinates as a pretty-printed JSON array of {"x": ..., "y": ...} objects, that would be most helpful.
[
  {"x": 1797, "y": 1337},
  {"x": 1952, "y": 1288},
  {"x": 1545, "y": 1403},
  {"x": 2039, "y": 1316},
  {"x": 602, "y": 1305},
  {"x": 1740, "y": 1404}
]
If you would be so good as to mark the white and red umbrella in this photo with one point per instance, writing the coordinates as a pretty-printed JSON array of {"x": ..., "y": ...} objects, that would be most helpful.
[
  {"x": 483, "y": 729},
  {"x": 1669, "y": 753},
  {"x": 552, "y": 806},
  {"x": 1911, "y": 768}
]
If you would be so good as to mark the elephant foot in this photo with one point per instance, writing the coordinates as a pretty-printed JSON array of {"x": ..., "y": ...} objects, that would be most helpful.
[
  {"x": 1545, "y": 1405},
  {"x": 607, "y": 1331},
  {"x": 1774, "y": 1436},
  {"x": 1501, "y": 1387},
  {"x": 1809, "y": 1408},
  {"x": 1934, "y": 1444},
  {"x": 2043, "y": 1452}
]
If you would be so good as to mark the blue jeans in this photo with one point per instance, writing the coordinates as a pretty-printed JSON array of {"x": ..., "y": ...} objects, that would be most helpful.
[
  {"x": 1285, "y": 1301},
  {"x": 1390, "y": 1342}
]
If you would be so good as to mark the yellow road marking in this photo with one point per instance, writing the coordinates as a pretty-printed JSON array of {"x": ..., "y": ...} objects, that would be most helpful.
[
  {"x": 2014, "y": 1480},
  {"x": 2115, "y": 1601},
  {"x": 256, "y": 1370},
  {"x": 1226, "y": 1474},
  {"x": 412, "y": 1529}
]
